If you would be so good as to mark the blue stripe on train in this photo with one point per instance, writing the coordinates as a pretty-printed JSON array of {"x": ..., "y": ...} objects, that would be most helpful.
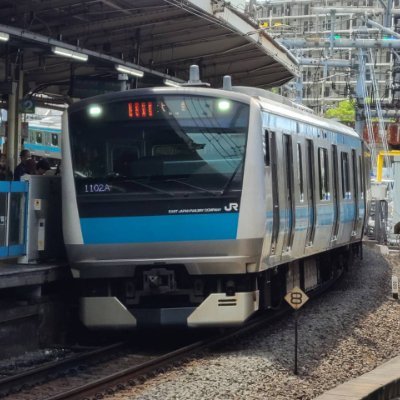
[
  {"x": 325, "y": 215},
  {"x": 160, "y": 228},
  {"x": 49, "y": 149}
]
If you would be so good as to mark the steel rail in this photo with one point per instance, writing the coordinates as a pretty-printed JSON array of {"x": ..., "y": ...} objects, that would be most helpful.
[
  {"x": 33, "y": 376},
  {"x": 137, "y": 374},
  {"x": 128, "y": 376}
]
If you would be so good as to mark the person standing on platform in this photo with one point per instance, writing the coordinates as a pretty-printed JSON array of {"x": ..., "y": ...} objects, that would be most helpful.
[
  {"x": 5, "y": 173},
  {"x": 43, "y": 167},
  {"x": 21, "y": 168}
]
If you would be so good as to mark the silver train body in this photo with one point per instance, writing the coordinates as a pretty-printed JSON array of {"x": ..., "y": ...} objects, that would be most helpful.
[
  {"x": 44, "y": 138},
  {"x": 279, "y": 201}
]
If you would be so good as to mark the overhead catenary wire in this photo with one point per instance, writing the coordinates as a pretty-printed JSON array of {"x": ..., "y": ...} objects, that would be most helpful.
[{"x": 381, "y": 125}]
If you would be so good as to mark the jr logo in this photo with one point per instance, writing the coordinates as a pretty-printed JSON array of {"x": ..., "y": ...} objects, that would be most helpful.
[{"x": 232, "y": 207}]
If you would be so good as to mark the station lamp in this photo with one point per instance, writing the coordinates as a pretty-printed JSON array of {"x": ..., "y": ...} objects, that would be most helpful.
[
  {"x": 169, "y": 82},
  {"x": 60, "y": 51},
  {"x": 128, "y": 70},
  {"x": 4, "y": 37}
]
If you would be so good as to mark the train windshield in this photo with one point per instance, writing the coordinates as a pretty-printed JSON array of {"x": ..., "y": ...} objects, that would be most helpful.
[{"x": 160, "y": 145}]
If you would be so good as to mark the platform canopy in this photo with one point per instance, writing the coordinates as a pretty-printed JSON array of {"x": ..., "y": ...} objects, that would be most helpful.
[{"x": 160, "y": 38}]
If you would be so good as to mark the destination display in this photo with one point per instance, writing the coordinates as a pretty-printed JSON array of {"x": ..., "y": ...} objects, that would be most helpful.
[{"x": 177, "y": 107}]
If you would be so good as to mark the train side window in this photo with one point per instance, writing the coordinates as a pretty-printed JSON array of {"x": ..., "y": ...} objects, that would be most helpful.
[
  {"x": 54, "y": 139},
  {"x": 267, "y": 155},
  {"x": 39, "y": 137},
  {"x": 300, "y": 172},
  {"x": 323, "y": 174},
  {"x": 345, "y": 176}
]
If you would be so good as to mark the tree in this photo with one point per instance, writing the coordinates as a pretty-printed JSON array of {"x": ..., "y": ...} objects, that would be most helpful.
[{"x": 345, "y": 112}]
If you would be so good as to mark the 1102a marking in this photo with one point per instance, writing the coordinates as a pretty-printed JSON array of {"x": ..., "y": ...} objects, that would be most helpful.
[{"x": 97, "y": 188}]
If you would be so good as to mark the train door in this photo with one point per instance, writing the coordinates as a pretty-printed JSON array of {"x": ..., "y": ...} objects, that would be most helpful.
[
  {"x": 275, "y": 193},
  {"x": 355, "y": 191},
  {"x": 362, "y": 197},
  {"x": 336, "y": 199},
  {"x": 288, "y": 156},
  {"x": 310, "y": 192},
  {"x": 300, "y": 222},
  {"x": 347, "y": 216},
  {"x": 47, "y": 140}
]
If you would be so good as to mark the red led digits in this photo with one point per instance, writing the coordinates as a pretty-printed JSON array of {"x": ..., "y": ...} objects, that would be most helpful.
[
  {"x": 136, "y": 107},
  {"x": 141, "y": 109},
  {"x": 150, "y": 109}
]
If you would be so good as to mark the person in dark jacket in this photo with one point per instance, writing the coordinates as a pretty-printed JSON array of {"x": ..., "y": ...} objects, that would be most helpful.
[
  {"x": 43, "y": 167},
  {"x": 21, "y": 168},
  {"x": 5, "y": 173}
]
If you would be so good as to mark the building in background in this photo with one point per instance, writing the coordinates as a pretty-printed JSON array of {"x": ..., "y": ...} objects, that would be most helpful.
[{"x": 301, "y": 26}]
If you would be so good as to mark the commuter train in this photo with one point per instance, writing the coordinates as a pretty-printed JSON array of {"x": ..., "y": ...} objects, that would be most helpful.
[
  {"x": 44, "y": 138},
  {"x": 198, "y": 207}
]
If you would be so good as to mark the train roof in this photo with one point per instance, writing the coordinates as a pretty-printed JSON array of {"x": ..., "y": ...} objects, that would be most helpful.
[
  {"x": 268, "y": 101},
  {"x": 280, "y": 105}
]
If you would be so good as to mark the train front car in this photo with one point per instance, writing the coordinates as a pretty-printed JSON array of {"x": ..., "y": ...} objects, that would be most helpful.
[{"x": 157, "y": 227}]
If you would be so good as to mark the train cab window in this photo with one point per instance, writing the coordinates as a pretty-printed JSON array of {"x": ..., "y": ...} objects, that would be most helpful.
[
  {"x": 300, "y": 172},
  {"x": 267, "y": 157},
  {"x": 323, "y": 174},
  {"x": 54, "y": 139},
  {"x": 187, "y": 145},
  {"x": 122, "y": 159},
  {"x": 345, "y": 176}
]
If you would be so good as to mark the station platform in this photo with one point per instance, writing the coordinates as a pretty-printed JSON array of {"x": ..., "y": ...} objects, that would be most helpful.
[
  {"x": 14, "y": 275},
  {"x": 382, "y": 383},
  {"x": 34, "y": 305}
]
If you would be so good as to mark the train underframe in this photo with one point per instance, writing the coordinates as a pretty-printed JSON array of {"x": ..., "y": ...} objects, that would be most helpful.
[{"x": 167, "y": 295}]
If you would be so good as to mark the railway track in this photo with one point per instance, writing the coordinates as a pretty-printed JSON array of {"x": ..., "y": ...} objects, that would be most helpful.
[
  {"x": 126, "y": 370},
  {"x": 47, "y": 383},
  {"x": 50, "y": 370}
]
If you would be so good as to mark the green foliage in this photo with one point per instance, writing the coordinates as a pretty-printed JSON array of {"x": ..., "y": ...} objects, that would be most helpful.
[{"x": 344, "y": 112}]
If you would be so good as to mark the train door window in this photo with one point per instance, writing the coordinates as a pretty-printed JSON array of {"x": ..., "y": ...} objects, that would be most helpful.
[
  {"x": 54, "y": 139},
  {"x": 300, "y": 172},
  {"x": 275, "y": 196},
  {"x": 354, "y": 167},
  {"x": 345, "y": 176},
  {"x": 310, "y": 191},
  {"x": 361, "y": 172},
  {"x": 335, "y": 189},
  {"x": 323, "y": 169},
  {"x": 355, "y": 186},
  {"x": 267, "y": 157},
  {"x": 38, "y": 137},
  {"x": 287, "y": 140}
]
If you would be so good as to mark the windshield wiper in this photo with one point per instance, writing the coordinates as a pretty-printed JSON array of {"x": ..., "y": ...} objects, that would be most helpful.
[
  {"x": 231, "y": 178},
  {"x": 150, "y": 187},
  {"x": 192, "y": 186}
]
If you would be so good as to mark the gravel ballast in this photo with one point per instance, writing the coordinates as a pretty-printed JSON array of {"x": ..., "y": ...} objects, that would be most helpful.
[{"x": 344, "y": 334}]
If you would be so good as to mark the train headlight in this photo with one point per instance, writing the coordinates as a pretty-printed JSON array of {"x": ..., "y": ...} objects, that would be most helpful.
[
  {"x": 95, "y": 110},
  {"x": 223, "y": 105}
]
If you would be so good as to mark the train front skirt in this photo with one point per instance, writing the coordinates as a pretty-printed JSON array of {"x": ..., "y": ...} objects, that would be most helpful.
[{"x": 218, "y": 309}]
